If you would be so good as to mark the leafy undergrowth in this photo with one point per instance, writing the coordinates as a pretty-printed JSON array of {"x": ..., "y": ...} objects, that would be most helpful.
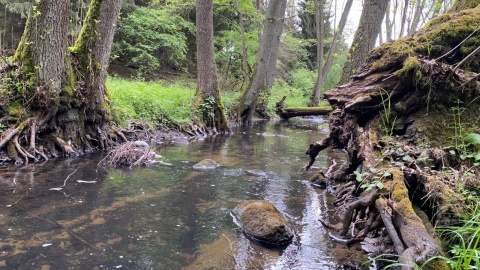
[
  {"x": 160, "y": 102},
  {"x": 464, "y": 240},
  {"x": 150, "y": 101}
]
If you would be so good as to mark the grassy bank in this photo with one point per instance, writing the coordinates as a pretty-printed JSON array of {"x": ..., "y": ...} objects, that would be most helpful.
[{"x": 155, "y": 102}]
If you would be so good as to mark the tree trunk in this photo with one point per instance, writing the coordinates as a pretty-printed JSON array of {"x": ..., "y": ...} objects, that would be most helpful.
[
  {"x": 403, "y": 23},
  {"x": 245, "y": 71},
  {"x": 416, "y": 16},
  {"x": 93, "y": 48},
  {"x": 63, "y": 99},
  {"x": 208, "y": 100},
  {"x": 43, "y": 48},
  {"x": 336, "y": 39},
  {"x": 266, "y": 59},
  {"x": 319, "y": 25},
  {"x": 388, "y": 22},
  {"x": 394, "y": 122},
  {"x": 365, "y": 36}
]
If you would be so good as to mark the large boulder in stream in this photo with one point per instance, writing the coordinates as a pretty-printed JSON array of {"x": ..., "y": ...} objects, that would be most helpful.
[
  {"x": 206, "y": 164},
  {"x": 262, "y": 221}
]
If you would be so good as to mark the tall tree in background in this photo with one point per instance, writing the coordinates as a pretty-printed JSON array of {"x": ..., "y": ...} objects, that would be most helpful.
[
  {"x": 266, "y": 59},
  {"x": 208, "y": 95},
  {"x": 58, "y": 93},
  {"x": 365, "y": 36},
  {"x": 319, "y": 25},
  {"x": 337, "y": 38}
]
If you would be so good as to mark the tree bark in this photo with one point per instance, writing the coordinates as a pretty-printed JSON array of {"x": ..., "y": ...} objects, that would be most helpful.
[
  {"x": 416, "y": 16},
  {"x": 93, "y": 48},
  {"x": 43, "y": 48},
  {"x": 365, "y": 36},
  {"x": 319, "y": 24},
  {"x": 388, "y": 22},
  {"x": 336, "y": 39},
  {"x": 245, "y": 71},
  {"x": 63, "y": 95},
  {"x": 403, "y": 23},
  {"x": 208, "y": 95},
  {"x": 266, "y": 59}
]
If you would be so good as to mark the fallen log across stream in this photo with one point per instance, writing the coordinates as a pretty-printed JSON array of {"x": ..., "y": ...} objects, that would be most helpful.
[
  {"x": 286, "y": 112},
  {"x": 409, "y": 101}
]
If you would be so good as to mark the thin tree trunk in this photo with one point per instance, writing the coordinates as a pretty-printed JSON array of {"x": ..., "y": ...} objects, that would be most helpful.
[
  {"x": 403, "y": 23},
  {"x": 245, "y": 70},
  {"x": 365, "y": 36},
  {"x": 266, "y": 59},
  {"x": 416, "y": 16},
  {"x": 319, "y": 25},
  {"x": 208, "y": 102},
  {"x": 388, "y": 23},
  {"x": 337, "y": 37}
]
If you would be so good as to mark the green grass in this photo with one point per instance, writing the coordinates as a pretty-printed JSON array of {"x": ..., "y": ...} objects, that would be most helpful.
[
  {"x": 150, "y": 101},
  {"x": 464, "y": 241},
  {"x": 155, "y": 102}
]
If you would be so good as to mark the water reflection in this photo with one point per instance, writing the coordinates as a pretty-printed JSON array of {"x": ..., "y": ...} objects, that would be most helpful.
[{"x": 167, "y": 217}]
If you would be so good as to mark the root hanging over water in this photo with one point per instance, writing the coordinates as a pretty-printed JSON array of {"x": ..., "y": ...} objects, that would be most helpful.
[{"x": 394, "y": 119}]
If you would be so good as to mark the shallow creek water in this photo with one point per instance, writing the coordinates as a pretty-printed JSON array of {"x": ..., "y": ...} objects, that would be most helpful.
[{"x": 73, "y": 214}]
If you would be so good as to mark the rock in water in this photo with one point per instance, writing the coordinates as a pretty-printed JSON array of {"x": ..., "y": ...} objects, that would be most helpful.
[
  {"x": 141, "y": 144},
  {"x": 262, "y": 221},
  {"x": 319, "y": 180},
  {"x": 206, "y": 164}
]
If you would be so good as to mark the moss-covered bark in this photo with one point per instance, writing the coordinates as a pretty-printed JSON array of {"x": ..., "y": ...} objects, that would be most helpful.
[{"x": 60, "y": 93}]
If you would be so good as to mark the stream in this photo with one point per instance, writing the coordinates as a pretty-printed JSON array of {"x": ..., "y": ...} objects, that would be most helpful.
[{"x": 75, "y": 214}]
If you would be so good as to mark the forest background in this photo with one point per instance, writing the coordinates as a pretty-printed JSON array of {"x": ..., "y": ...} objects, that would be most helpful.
[{"x": 153, "y": 61}]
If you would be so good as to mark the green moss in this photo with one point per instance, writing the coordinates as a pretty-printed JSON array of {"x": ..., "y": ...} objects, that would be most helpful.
[
  {"x": 463, "y": 4},
  {"x": 411, "y": 64},
  {"x": 436, "y": 38},
  {"x": 23, "y": 54},
  {"x": 11, "y": 151},
  {"x": 87, "y": 36},
  {"x": 69, "y": 87}
]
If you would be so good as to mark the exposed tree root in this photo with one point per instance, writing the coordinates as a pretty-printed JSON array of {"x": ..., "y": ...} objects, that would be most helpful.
[{"x": 393, "y": 119}]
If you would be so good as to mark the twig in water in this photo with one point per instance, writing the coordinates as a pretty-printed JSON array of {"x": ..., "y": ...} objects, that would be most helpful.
[
  {"x": 65, "y": 182},
  {"x": 69, "y": 231},
  {"x": 231, "y": 249},
  {"x": 10, "y": 205}
]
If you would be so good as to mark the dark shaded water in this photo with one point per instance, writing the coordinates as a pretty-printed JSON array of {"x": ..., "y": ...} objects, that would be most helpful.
[{"x": 168, "y": 217}]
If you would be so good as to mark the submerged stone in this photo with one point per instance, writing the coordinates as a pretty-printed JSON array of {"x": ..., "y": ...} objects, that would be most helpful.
[
  {"x": 206, "y": 164},
  {"x": 141, "y": 144},
  {"x": 255, "y": 172},
  {"x": 262, "y": 221}
]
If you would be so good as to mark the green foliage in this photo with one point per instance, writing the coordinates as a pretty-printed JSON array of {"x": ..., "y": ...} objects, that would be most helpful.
[
  {"x": 152, "y": 102},
  {"x": 229, "y": 58},
  {"x": 464, "y": 240},
  {"x": 387, "y": 122},
  {"x": 150, "y": 38},
  {"x": 371, "y": 179},
  {"x": 303, "y": 80},
  {"x": 207, "y": 107}
]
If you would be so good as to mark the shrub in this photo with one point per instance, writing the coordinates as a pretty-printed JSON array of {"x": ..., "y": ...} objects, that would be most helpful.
[{"x": 149, "y": 39}]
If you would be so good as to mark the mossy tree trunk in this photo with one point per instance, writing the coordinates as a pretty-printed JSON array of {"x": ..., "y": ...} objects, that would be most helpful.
[
  {"x": 54, "y": 93},
  {"x": 208, "y": 103},
  {"x": 266, "y": 60},
  {"x": 394, "y": 119}
]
